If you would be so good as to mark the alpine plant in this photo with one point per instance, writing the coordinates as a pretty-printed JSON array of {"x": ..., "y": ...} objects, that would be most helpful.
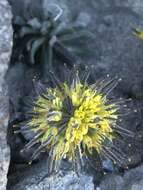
[
  {"x": 73, "y": 120},
  {"x": 138, "y": 32}
]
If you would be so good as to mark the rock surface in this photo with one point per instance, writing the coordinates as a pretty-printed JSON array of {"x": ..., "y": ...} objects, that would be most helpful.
[
  {"x": 131, "y": 180},
  {"x": 5, "y": 52},
  {"x": 33, "y": 179}
]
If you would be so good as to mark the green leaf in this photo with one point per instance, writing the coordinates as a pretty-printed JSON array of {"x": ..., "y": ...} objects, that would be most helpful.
[
  {"x": 34, "y": 23},
  {"x": 34, "y": 48},
  {"x": 25, "y": 30},
  {"x": 78, "y": 35},
  {"x": 29, "y": 43},
  {"x": 50, "y": 58},
  {"x": 68, "y": 30},
  {"x": 47, "y": 60},
  {"x": 45, "y": 27},
  {"x": 84, "y": 52}
]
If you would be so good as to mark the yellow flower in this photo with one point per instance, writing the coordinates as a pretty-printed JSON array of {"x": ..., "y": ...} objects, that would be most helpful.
[
  {"x": 71, "y": 121},
  {"x": 138, "y": 33}
]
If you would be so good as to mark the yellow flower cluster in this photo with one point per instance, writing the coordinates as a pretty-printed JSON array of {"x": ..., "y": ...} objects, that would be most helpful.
[{"x": 73, "y": 118}]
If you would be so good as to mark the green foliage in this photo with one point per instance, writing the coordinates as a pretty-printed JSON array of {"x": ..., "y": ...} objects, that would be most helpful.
[{"x": 46, "y": 39}]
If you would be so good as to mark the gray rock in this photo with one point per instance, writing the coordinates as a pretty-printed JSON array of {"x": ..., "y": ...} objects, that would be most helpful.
[
  {"x": 33, "y": 179},
  {"x": 137, "y": 186},
  {"x": 131, "y": 180},
  {"x": 5, "y": 51},
  {"x": 68, "y": 182},
  {"x": 112, "y": 182}
]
